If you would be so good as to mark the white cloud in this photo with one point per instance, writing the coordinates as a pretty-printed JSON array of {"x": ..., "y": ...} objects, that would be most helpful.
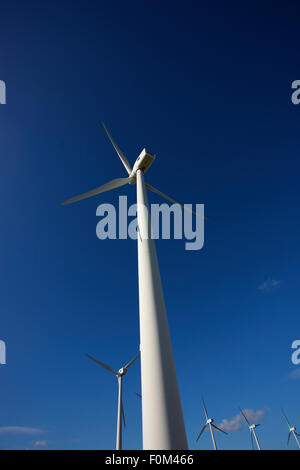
[
  {"x": 294, "y": 375},
  {"x": 19, "y": 430},
  {"x": 234, "y": 424},
  {"x": 40, "y": 443},
  {"x": 269, "y": 285},
  {"x": 238, "y": 421}
]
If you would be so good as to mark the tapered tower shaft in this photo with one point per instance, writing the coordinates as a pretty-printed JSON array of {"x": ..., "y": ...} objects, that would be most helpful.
[
  {"x": 163, "y": 424},
  {"x": 119, "y": 421},
  {"x": 256, "y": 439},
  {"x": 213, "y": 436},
  {"x": 297, "y": 440}
]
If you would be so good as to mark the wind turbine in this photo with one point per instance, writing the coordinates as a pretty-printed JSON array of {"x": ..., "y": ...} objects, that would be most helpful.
[
  {"x": 292, "y": 430},
  {"x": 163, "y": 423},
  {"x": 209, "y": 423},
  {"x": 121, "y": 414},
  {"x": 252, "y": 431}
]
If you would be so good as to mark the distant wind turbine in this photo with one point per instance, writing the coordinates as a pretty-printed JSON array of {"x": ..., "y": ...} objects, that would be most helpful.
[
  {"x": 209, "y": 423},
  {"x": 252, "y": 431},
  {"x": 163, "y": 423},
  {"x": 121, "y": 414},
  {"x": 292, "y": 430}
]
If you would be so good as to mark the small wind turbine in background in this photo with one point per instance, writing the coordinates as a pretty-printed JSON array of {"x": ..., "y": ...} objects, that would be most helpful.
[
  {"x": 252, "y": 431},
  {"x": 209, "y": 423},
  {"x": 292, "y": 430},
  {"x": 121, "y": 415}
]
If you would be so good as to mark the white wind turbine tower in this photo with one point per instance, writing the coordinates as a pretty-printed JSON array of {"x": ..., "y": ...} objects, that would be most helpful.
[
  {"x": 119, "y": 374},
  {"x": 209, "y": 423},
  {"x": 292, "y": 430},
  {"x": 163, "y": 423},
  {"x": 252, "y": 431}
]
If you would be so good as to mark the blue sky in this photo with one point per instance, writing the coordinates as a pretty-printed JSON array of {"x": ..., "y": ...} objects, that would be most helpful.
[{"x": 206, "y": 87}]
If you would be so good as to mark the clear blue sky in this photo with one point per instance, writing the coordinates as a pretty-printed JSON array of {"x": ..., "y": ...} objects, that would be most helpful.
[{"x": 206, "y": 87}]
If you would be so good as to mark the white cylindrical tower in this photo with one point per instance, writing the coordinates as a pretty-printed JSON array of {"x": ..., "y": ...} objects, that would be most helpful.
[{"x": 163, "y": 423}]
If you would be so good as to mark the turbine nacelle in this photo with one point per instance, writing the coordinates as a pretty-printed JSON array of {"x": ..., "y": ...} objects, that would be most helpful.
[
  {"x": 293, "y": 429},
  {"x": 253, "y": 426},
  {"x": 122, "y": 371},
  {"x": 210, "y": 421},
  {"x": 143, "y": 162}
]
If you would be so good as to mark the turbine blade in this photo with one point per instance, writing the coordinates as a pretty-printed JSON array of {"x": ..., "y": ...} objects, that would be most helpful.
[
  {"x": 116, "y": 183},
  {"x": 205, "y": 410},
  {"x": 170, "y": 199},
  {"x": 286, "y": 418},
  {"x": 121, "y": 155},
  {"x": 257, "y": 425},
  {"x": 131, "y": 362},
  {"x": 200, "y": 433},
  {"x": 102, "y": 364},
  {"x": 138, "y": 394},
  {"x": 123, "y": 414},
  {"x": 219, "y": 429},
  {"x": 244, "y": 416},
  {"x": 289, "y": 437}
]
